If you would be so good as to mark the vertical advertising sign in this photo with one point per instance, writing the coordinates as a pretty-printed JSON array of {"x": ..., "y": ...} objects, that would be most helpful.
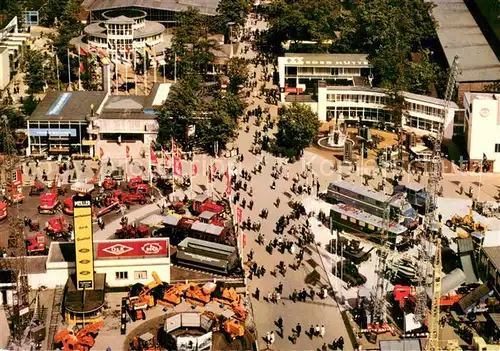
[{"x": 82, "y": 217}]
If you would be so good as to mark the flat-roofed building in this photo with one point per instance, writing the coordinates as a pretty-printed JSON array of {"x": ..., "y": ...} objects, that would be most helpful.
[
  {"x": 300, "y": 72},
  {"x": 460, "y": 35},
  {"x": 349, "y": 104}
]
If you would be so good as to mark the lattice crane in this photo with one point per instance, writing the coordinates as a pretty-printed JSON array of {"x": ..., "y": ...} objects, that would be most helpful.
[
  {"x": 18, "y": 313},
  {"x": 433, "y": 186}
]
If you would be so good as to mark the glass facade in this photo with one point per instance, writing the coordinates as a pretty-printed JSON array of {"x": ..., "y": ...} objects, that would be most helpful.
[{"x": 58, "y": 137}]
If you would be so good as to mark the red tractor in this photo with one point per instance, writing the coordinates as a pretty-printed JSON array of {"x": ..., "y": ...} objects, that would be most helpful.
[
  {"x": 37, "y": 188},
  {"x": 37, "y": 245},
  {"x": 49, "y": 202},
  {"x": 130, "y": 198},
  {"x": 134, "y": 182},
  {"x": 58, "y": 228},
  {"x": 3, "y": 210},
  {"x": 141, "y": 189},
  {"x": 109, "y": 184},
  {"x": 205, "y": 204},
  {"x": 129, "y": 231}
]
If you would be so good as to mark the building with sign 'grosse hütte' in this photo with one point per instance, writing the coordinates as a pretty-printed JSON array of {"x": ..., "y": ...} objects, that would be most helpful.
[{"x": 123, "y": 262}]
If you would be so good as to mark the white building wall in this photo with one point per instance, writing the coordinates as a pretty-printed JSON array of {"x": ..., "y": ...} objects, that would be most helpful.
[
  {"x": 4, "y": 68},
  {"x": 139, "y": 126},
  {"x": 484, "y": 129},
  {"x": 58, "y": 273}
]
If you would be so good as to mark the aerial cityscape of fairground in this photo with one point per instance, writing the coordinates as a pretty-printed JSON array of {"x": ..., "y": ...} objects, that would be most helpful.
[{"x": 249, "y": 175}]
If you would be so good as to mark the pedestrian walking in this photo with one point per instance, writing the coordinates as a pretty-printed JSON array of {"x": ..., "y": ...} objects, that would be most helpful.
[
  {"x": 311, "y": 331},
  {"x": 280, "y": 323},
  {"x": 273, "y": 337},
  {"x": 322, "y": 331},
  {"x": 317, "y": 330},
  {"x": 257, "y": 294},
  {"x": 298, "y": 329}
]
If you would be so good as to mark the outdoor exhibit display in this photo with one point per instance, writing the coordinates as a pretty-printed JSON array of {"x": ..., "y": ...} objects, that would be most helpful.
[{"x": 190, "y": 320}]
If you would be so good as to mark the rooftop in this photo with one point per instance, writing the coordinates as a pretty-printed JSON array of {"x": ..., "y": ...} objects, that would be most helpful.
[
  {"x": 157, "y": 96},
  {"x": 126, "y": 107},
  {"x": 407, "y": 95},
  {"x": 205, "y": 245},
  {"x": 208, "y": 7},
  {"x": 98, "y": 29},
  {"x": 473, "y": 297},
  {"x": 327, "y": 59},
  {"x": 399, "y": 345},
  {"x": 67, "y": 106},
  {"x": 84, "y": 301},
  {"x": 493, "y": 253},
  {"x": 460, "y": 35}
]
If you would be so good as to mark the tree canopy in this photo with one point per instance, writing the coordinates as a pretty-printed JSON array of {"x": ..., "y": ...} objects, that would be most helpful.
[
  {"x": 297, "y": 127},
  {"x": 390, "y": 32},
  {"x": 238, "y": 73},
  {"x": 213, "y": 114},
  {"x": 231, "y": 11}
]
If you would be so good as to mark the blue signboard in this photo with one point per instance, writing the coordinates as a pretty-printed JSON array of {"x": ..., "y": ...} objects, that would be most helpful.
[
  {"x": 58, "y": 105},
  {"x": 52, "y": 132}
]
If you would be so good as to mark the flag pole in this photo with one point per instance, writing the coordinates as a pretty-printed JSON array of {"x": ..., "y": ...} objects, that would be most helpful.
[
  {"x": 135, "y": 71},
  {"x": 172, "y": 165},
  {"x": 79, "y": 70},
  {"x": 116, "y": 75},
  {"x": 126, "y": 76},
  {"x": 69, "y": 70},
  {"x": 175, "y": 67},
  {"x": 150, "y": 164},
  {"x": 57, "y": 72},
  {"x": 191, "y": 180},
  {"x": 156, "y": 65},
  {"x": 145, "y": 73}
]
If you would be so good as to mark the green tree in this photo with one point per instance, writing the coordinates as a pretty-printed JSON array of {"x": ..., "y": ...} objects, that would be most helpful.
[
  {"x": 396, "y": 105},
  {"x": 191, "y": 44},
  {"x": 231, "y": 11},
  {"x": 219, "y": 126},
  {"x": 35, "y": 77},
  {"x": 29, "y": 105},
  {"x": 237, "y": 71},
  {"x": 297, "y": 127},
  {"x": 422, "y": 74},
  {"x": 183, "y": 105}
]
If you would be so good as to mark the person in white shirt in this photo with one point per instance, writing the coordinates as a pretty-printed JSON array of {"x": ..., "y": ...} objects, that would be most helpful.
[{"x": 322, "y": 331}]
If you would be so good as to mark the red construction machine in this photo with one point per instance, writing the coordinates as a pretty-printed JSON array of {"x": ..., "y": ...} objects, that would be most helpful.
[
  {"x": 3, "y": 210},
  {"x": 49, "y": 202},
  {"x": 134, "y": 183},
  {"x": 78, "y": 339},
  {"x": 128, "y": 198},
  {"x": 37, "y": 188},
  {"x": 57, "y": 227},
  {"x": 145, "y": 342},
  {"x": 37, "y": 244},
  {"x": 128, "y": 231},
  {"x": 202, "y": 204},
  {"x": 15, "y": 192},
  {"x": 109, "y": 184}
]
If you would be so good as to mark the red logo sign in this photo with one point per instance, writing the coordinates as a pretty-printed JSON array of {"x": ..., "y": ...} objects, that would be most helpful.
[
  {"x": 151, "y": 248},
  {"x": 117, "y": 249},
  {"x": 132, "y": 248}
]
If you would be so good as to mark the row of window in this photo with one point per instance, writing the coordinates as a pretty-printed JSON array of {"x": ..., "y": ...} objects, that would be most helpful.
[
  {"x": 137, "y": 275},
  {"x": 430, "y": 111},
  {"x": 422, "y": 124},
  {"x": 327, "y": 71},
  {"x": 358, "y": 222},
  {"x": 368, "y": 99},
  {"x": 355, "y": 113}
]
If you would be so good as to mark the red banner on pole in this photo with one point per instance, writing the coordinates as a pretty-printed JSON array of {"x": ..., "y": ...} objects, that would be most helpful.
[
  {"x": 101, "y": 152},
  {"x": 127, "y": 151},
  {"x": 244, "y": 240},
  {"x": 153, "y": 156},
  {"x": 228, "y": 184},
  {"x": 194, "y": 170},
  {"x": 177, "y": 166},
  {"x": 239, "y": 214}
]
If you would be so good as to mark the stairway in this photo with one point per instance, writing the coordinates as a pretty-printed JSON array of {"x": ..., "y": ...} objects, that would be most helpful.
[{"x": 55, "y": 315}]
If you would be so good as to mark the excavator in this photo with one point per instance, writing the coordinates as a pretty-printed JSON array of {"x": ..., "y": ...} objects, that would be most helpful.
[
  {"x": 141, "y": 298},
  {"x": 233, "y": 300},
  {"x": 467, "y": 223},
  {"x": 199, "y": 296},
  {"x": 173, "y": 295},
  {"x": 78, "y": 339},
  {"x": 233, "y": 328}
]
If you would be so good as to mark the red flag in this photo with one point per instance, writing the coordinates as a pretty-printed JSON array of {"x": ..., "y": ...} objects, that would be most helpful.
[
  {"x": 127, "y": 151},
  {"x": 19, "y": 175},
  {"x": 214, "y": 169},
  {"x": 83, "y": 52},
  {"x": 244, "y": 239},
  {"x": 82, "y": 68},
  {"x": 194, "y": 170},
  {"x": 209, "y": 173},
  {"x": 239, "y": 214},
  {"x": 102, "y": 152},
  {"x": 228, "y": 184},
  {"x": 177, "y": 166},
  {"x": 152, "y": 155}
]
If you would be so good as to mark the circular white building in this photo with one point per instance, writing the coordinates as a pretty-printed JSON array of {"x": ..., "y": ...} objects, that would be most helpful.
[{"x": 125, "y": 31}]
